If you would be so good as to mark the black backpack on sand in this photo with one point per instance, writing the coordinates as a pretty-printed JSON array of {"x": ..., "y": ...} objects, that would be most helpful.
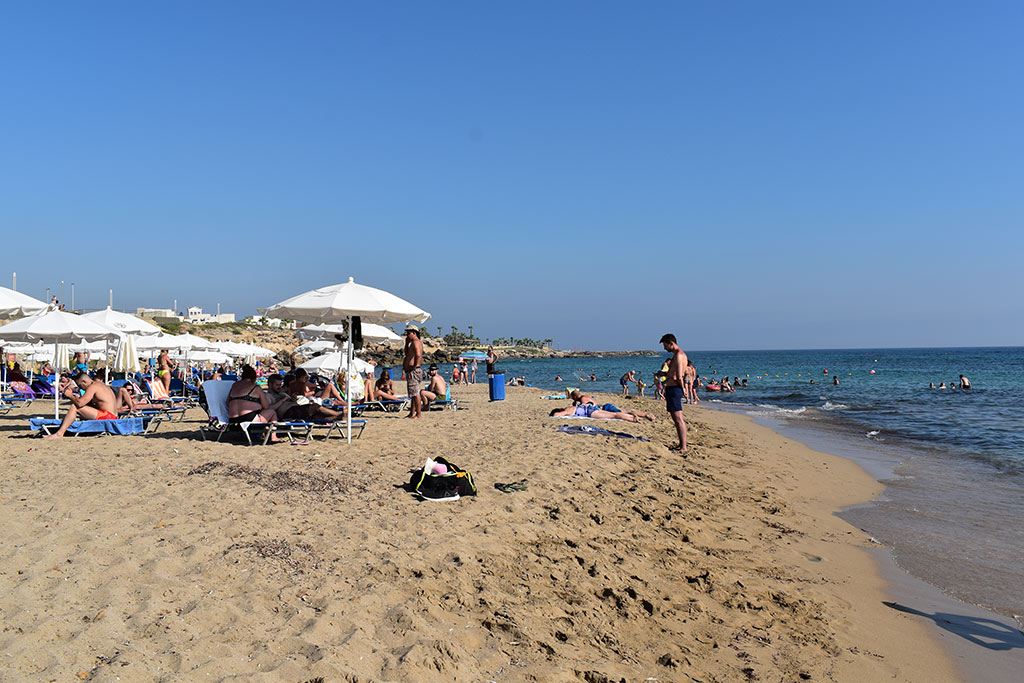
[{"x": 435, "y": 485}]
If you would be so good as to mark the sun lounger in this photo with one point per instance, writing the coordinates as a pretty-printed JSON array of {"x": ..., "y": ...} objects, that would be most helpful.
[
  {"x": 157, "y": 392},
  {"x": 124, "y": 425},
  {"x": 213, "y": 398}
]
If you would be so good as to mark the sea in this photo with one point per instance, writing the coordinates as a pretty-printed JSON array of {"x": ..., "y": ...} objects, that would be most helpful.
[{"x": 952, "y": 460}]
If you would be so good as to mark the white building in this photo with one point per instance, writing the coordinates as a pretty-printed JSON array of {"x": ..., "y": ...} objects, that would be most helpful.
[
  {"x": 197, "y": 317},
  {"x": 271, "y": 322}
]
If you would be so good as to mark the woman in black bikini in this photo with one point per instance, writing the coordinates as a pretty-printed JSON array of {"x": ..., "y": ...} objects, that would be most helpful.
[{"x": 247, "y": 402}]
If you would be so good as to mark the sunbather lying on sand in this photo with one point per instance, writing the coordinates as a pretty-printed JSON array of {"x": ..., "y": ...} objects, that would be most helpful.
[{"x": 596, "y": 412}]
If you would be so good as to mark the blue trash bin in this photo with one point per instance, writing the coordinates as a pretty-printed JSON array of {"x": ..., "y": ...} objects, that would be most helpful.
[{"x": 496, "y": 386}]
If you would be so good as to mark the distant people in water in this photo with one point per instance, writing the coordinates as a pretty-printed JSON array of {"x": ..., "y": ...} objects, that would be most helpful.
[
  {"x": 964, "y": 382},
  {"x": 812, "y": 381},
  {"x": 593, "y": 377},
  {"x": 931, "y": 385},
  {"x": 835, "y": 380},
  {"x": 942, "y": 385},
  {"x": 517, "y": 382},
  {"x": 558, "y": 378},
  {"x": 745, "y": 382},
  {"x": 640, "y": 385}
]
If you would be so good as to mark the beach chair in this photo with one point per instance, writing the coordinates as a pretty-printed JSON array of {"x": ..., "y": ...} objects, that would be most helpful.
[
  {"x": 446, "y": 402},
  {"x": 213, "y": 397},
  {"x": 158, "y": 393},
  {"x": 122, "y": 426}
]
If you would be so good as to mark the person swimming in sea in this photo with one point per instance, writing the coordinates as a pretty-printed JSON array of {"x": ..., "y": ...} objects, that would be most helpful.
[{"x": 964, "y": 382}]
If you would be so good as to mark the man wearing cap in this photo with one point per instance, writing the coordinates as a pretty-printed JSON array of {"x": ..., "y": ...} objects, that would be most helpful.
[{"x": 412, "y": 369}]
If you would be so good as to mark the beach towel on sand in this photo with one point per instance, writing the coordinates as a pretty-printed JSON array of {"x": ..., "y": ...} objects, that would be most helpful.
[
  {"x": 597, "y": 431},
  {"x": 125, "y": 425}
]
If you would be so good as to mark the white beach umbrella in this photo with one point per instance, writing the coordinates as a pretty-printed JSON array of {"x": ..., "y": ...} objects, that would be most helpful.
[
  {"x": 233, "y": 349},
  {"x": 371, "y": 332},
  {"x": 56, "y": 327},
  {"x": 157, "y": 342},
  {"x": 340, "y": 303},
  {"x": 207, "y": 356},
  {"x": 125, "y": 323},
  {"x": 333, "y": 363},
  {"x": 315, "y": 346},
  {"x": 14, "y": 304},
  {"x": 127, "y": 358},
  {"x": 190, "y": 342}
]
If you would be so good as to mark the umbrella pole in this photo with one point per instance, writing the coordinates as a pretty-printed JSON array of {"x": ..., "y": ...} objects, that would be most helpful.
[
  {"x": 56, "y": 389},
  {"x": 348, "y": 381}
]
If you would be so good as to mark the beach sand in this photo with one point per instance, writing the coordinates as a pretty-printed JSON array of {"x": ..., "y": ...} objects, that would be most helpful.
[{"x": 168, "y": 558}]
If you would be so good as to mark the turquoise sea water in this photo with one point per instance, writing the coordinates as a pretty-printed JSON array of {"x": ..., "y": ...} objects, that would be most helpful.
[{"x": 954, "y": 500}]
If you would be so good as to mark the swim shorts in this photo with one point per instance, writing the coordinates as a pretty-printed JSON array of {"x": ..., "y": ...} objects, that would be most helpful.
[
  {"x": 674, "y": 398},
  {"x": 610, "y": 407},
  {"x": 412, "y": 381},
  {"x": 586, "y": 410},
  {"x": 105, "y": 415}
]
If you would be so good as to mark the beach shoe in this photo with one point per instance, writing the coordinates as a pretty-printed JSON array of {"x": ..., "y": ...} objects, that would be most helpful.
[
  {"x": 512, "y": 487},
  {"x": 447, "y": 493}
]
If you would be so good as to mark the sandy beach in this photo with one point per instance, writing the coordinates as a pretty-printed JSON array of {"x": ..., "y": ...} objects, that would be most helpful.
[{"x": 168, "y": 558}]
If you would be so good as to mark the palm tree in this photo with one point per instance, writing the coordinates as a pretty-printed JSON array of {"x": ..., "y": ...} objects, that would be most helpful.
[
  {"x": 440, "y": 332},
  {"x": 470, "y": 331}
]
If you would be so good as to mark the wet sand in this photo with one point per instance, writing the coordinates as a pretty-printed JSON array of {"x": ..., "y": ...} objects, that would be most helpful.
[{"x": 167, "y": 558}]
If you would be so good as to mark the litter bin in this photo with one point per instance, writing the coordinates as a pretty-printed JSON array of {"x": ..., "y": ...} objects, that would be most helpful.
[{"x": 496, "y": 386}]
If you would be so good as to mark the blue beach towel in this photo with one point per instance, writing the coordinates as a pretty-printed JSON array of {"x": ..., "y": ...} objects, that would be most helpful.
[
  {"x": 597, "y": 431},
  {"x": 125, "y": 425}
]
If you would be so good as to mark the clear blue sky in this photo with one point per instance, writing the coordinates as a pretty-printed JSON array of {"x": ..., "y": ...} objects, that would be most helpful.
[{"x": 744, "y": 174}]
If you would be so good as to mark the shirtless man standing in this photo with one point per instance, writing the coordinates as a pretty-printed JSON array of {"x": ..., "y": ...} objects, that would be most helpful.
[
  {"x": 674, "y": 387},
  {"x": 413, "y": 371},
  {"x": 97, "y": 403},
  {"x": 625, "y": 380}
]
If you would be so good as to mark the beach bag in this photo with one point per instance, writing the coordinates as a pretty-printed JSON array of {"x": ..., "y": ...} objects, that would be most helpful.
[{"x": 430, "y": 485}]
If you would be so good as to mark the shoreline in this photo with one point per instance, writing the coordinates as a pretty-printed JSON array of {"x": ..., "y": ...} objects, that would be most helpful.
[
  {"x": 985, "y": 645},
  {"x": 189, "y": 558}
]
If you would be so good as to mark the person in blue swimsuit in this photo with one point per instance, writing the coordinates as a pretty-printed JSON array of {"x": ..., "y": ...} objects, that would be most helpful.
[{"x": 597, "y": 412}]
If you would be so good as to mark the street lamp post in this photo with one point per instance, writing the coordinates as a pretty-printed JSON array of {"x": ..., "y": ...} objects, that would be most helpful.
[
  {"x": 62, "y": 290},
  {"x": 72, "y": 297},
  {"x": 47, "y": 295}
]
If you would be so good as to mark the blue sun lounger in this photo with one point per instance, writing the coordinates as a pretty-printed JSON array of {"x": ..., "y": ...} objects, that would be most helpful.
[{"x": 124, "y": 425}]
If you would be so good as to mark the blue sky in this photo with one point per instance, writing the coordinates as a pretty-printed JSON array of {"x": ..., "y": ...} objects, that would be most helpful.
[{"x": 746, "y": 175}]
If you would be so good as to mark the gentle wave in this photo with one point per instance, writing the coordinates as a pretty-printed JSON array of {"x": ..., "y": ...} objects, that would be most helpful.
[{"x": 829, "y": 405}]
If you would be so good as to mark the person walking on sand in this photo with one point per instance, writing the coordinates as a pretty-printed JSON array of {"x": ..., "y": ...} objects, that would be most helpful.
[
  {"x": 625, "y": 380},
  {"x": 472, "y": 374},
  {"x": 413, "y": 372},
  {"x": 674, "y": 387},
  {"x": 96, "y": 403}
]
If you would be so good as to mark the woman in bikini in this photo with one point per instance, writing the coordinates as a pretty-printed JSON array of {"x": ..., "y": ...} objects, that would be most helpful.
[{"x": 248, "y": 403}]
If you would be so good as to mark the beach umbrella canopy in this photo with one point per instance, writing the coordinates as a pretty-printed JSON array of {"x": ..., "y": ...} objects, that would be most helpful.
[
  {"x": 207, "y": 357},
  {"x": 260, "y": 351},
  {"x": 124, "y": 323},
  {"x": 156, "y": 342},
  {"x": 337, "y": 303},
  {"x": 56, "y": 327},
  {"x": 14, "y": 304},
  {"x": 190, "y": 342},
  {"x": 371, "y": 332},
  {"x": 473, "y": 355},
  {"x": 233, "y": 349},
  {"x": 333, "y": 363},
  {"x": 127, "y": 358},
  {"x": 315, "y": 346}
]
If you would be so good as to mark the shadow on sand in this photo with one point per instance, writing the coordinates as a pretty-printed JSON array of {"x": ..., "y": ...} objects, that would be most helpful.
[{"x": 988, "y": 633}]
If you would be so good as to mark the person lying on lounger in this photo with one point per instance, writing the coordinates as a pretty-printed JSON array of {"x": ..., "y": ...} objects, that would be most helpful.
[
  {"x": 96, "y": 402},
  {"x": 598, "y": 413},
  {"x": 303, "y": 395},
  {"x": 436, "y": 389}
]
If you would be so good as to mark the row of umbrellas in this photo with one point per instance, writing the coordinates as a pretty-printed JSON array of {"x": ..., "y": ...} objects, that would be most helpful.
[{"x": 326, "y": 306}]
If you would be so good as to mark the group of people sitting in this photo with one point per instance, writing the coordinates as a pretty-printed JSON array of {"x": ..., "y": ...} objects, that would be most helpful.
[{"x": 293, "y": 396}]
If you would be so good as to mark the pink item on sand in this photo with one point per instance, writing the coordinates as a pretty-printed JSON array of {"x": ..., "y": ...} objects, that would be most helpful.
[{"x": 439, "y": 468}]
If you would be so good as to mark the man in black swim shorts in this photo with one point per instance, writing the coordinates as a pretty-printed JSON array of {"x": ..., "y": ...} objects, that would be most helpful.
[{"x": 674, "y": 387}]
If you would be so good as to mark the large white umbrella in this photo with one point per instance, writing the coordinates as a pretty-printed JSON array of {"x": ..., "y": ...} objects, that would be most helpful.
[
  {"x": 56, "y": 327},
  {"x": 14, "y": 304},
  {"x": 190, "y": 342},
  {"x": 371, "y": 332},
  {"x": 314, "y": 346},
  {"x": 333, "y": 363},
  {"x": 157, "y": 342},
  {"x": 339, "y": 303},
  {"x": 125, "y": 323},
  {"x": 233, "y": 349}
]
